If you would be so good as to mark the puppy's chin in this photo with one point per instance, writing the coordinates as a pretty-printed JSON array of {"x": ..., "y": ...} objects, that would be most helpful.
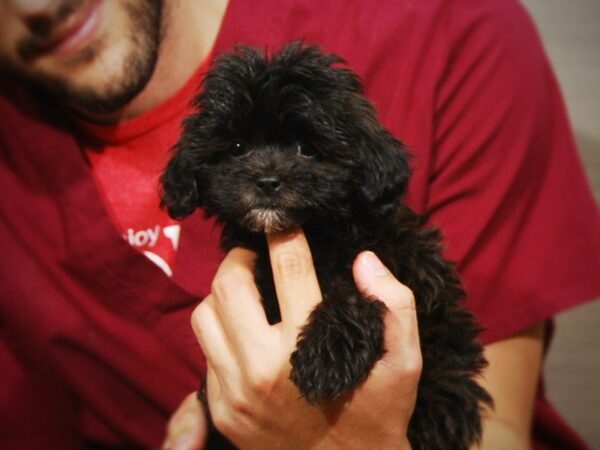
[{"x": 267, "y": 220}]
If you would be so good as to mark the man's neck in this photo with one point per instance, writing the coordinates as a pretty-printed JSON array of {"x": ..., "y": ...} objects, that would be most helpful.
[{"x": 190, "y": 31}]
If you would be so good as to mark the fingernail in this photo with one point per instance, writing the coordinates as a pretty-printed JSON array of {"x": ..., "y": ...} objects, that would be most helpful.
[
  {"x": 373, "y": 264},
  {"x": 184, "y": 442}
]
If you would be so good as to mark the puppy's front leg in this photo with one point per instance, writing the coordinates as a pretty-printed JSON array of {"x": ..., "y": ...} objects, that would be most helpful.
[{"x": 339, "y": 345}]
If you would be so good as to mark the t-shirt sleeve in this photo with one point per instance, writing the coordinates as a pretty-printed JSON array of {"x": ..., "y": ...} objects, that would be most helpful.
[{"x": 507, "y": 187}]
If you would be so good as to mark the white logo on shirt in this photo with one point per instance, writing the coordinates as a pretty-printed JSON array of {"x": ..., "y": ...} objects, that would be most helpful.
[
  {"x": 172, "y": 232},
  {"x": 149, "y": 236},
  {"x": 143, "y": 238},
  {"x": 159, "y": 262}
]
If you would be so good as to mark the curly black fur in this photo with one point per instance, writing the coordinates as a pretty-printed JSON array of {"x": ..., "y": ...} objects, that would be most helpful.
[{"x": 289, "y": 140}]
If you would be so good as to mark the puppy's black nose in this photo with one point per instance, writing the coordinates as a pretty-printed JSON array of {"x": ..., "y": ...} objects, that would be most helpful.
[{"x": 269, "y": 184}]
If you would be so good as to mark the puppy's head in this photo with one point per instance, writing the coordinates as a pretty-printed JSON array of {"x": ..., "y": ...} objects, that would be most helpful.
[{"x": 282, "y": 140}]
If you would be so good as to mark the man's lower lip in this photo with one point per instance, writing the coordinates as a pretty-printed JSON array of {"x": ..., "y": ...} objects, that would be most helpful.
[{"x": 82, "y": 35}]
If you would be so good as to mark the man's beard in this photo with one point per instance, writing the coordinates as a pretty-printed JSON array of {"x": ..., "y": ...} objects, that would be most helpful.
[{"x": 144, "y": 34}]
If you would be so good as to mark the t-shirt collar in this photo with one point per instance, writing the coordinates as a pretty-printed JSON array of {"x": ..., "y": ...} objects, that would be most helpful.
[{"x": 127, "y": 130}]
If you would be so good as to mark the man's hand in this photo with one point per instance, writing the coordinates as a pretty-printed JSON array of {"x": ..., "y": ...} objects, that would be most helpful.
[{"x": 250, "y": 396}]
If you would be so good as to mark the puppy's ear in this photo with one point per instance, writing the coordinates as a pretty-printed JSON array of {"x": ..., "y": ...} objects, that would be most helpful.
[
  {"x": 384, "y": 166},
  {"x": 179, "y": 191},
  {"x": 382, "y": 161}
]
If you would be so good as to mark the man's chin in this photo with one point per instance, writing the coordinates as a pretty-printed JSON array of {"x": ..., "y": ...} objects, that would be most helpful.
[{"x": 89, "y": 94}]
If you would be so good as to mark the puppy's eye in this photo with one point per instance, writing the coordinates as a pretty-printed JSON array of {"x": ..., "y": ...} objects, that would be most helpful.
[
  {"x": 306, "y": 150},
  {"x": 237, "y": 148}
]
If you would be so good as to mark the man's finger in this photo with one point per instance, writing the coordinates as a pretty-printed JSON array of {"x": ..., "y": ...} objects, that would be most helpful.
[
  {"x": 212, "y": 338},
  {"x": 401, "y": 329},
  {"x": 187, "y": 428},
  {"x": 237, "y": 301},
  {"x": 296, "y": 282}
]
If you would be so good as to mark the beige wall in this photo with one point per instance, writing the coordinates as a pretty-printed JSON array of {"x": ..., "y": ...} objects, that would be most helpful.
[{"x": 571, "y": 34}]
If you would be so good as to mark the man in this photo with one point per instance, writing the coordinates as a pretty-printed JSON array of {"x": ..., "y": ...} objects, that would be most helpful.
[{"x": 96, "y": 343}]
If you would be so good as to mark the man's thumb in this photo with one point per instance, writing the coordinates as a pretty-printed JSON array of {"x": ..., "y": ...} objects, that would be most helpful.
[{"x": 187, "y": 428}]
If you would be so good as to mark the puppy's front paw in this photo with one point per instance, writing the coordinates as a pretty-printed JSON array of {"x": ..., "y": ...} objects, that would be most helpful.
[{"x": 338, "y": 347}]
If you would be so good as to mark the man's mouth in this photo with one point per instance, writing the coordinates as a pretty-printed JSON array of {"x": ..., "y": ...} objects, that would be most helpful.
[{"x": 67, "y": 36}]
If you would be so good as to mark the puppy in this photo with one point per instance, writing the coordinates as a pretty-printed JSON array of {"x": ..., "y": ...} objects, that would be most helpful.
[{"x": 289, "y": 140}]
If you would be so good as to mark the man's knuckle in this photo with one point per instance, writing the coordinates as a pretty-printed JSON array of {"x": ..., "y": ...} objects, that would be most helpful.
[
  {"x": 406, "y": 370},
  {"x": 261, "y": 381},
  {"x": 239, "y": 404},
  {"x": 229, "y": 281},
  {"x": 403, "y": 300},
  {"x": 199, "y": 316},
  {"x": 413, "y": 365}
]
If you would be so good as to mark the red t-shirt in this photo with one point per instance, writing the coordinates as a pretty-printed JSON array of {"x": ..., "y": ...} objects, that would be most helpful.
[
  {"x": 127, "y": 160},
  {"x": 99, "y": 336}
]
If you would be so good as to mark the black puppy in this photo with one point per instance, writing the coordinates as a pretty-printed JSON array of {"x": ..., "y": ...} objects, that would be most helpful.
[{"x": 289, "y": 140}]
